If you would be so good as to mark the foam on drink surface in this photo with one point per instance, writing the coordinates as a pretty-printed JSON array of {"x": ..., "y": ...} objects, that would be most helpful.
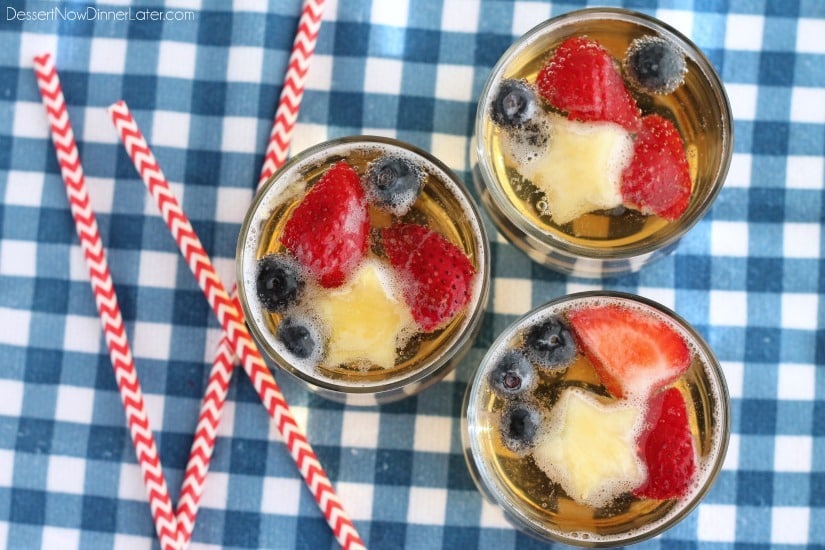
[
  {"x": 533, "y": 179},
  {"x": 353, "y": 354},
  {"x": 551, "y": 480}
]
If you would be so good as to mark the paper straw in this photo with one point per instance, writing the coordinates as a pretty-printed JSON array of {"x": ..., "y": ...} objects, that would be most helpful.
[
  {"x": 233, "y": 325},
  {"x": 203, "y": 445},
  {"x": 286, "y": 114},
  {"x": 106, "y": 301},
  {"x": 293, "y": 90}
]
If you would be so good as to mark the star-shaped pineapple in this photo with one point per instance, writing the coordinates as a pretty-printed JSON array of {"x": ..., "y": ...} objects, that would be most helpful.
[
  {"x": 589, "y": 448},
  {"x": 580, "y": 170},
  {"x": 364, "y": 317}
]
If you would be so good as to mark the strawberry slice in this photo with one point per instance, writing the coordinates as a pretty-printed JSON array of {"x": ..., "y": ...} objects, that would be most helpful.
[
  {"x": 657, "y": 180},
  {"x": 634, "y": 353},
  {"x": 435, "y": 274},
  {"x": 667, "y": 448},
  {"x": 582, "y": 79},
  {"x": 329, "y": 230}
]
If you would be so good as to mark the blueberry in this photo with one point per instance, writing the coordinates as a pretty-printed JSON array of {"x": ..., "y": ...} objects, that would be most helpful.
[
  {"x": 513, "y": 374},
  {"x": 394, "y": 183},
  {"x": 519, "y": 426},
  {"x": 298, "y": 336},
  {"x": 514, "y": 103},
  {"x": 550, "y": 344},
  {"x": 280, "y": 283},
  {"x": 654, "y": 65}
]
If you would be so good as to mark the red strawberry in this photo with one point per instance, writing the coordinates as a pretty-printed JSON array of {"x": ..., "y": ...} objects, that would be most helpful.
[
  {"x": 634, "y": 353},
  {"x": 435, "y": 273},
  {"x": 666, "y": 446},
  {"x": 657, "y": 181},
  {"x": 581, "y": 79},
  {"x": 329, "y": 229}
]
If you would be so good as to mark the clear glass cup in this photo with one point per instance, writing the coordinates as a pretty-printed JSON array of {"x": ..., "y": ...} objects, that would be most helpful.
[
  {"x": 536, "y": 500},
  {"x": 610, "y": 241},
  {"x": 422, "y": 356}
]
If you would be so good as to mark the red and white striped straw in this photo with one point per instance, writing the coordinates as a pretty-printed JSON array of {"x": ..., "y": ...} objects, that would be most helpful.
[
  {"x": 203, "y": 446},
  {"x": 293, "y": 91},
  {"x": 106, "y": 301},
  {"x": 232, "y": 322},
  {"x": 286, "y": 114}
]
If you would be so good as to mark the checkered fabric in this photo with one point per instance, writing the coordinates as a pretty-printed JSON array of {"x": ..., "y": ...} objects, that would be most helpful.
[{"x": 203, "y": 85}]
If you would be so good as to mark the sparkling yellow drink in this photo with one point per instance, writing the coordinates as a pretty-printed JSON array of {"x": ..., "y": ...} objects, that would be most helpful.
[
  {"x": 598, "y": 419},
  {"x": 363, "y": 269},
  {"x": 601, "y": 137}
]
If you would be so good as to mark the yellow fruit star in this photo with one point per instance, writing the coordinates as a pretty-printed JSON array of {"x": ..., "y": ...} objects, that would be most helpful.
[
  {"x": 589, "y": 448},
  {"x": 364, "y": 318},
  {"x": 580, "y": 170}
]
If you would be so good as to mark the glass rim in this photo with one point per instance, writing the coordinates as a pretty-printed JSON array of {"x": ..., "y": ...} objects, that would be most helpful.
[
  {"x": 493, "y": 484},
  {"x": 631, "y": 250},
  {"x": 316, "y": 154}
]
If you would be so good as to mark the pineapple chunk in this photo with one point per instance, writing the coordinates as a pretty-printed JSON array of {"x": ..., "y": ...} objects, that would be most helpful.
[
  {"x": 590, "y": 448},
  {"x": 364, "y": 318},
  {"x": 581, "y": 169}
]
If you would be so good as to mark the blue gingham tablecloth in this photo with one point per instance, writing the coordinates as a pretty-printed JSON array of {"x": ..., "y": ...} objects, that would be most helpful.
[{"x": 203, "y": 86}]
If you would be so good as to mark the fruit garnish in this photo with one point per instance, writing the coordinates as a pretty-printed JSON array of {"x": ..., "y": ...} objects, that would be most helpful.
[
  {"x": 654, "y": 65},
  {"x": 580, "y": 170},
  {"x": 580, "y": 78},
  {"x": 435, "y": 274},
  {"x": 667, "y": 448},
  {"x": 363, "y": 318},
  {"x": 393, "y": 184},
  {"x": 550, "y": 344},
  {"x": 633, "y": 352},
  {"x": 514, "y": 103},
  {"x": 512, "y": 375},
  {"x": 519, "y": 426},
  {"x": 589, "y": 448},
  {"x": 328, "y": 231},
  {"x": 298, "y": 336},
  {"x": 657, "y": 181},
  {"x": 279, "y": 282}
]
